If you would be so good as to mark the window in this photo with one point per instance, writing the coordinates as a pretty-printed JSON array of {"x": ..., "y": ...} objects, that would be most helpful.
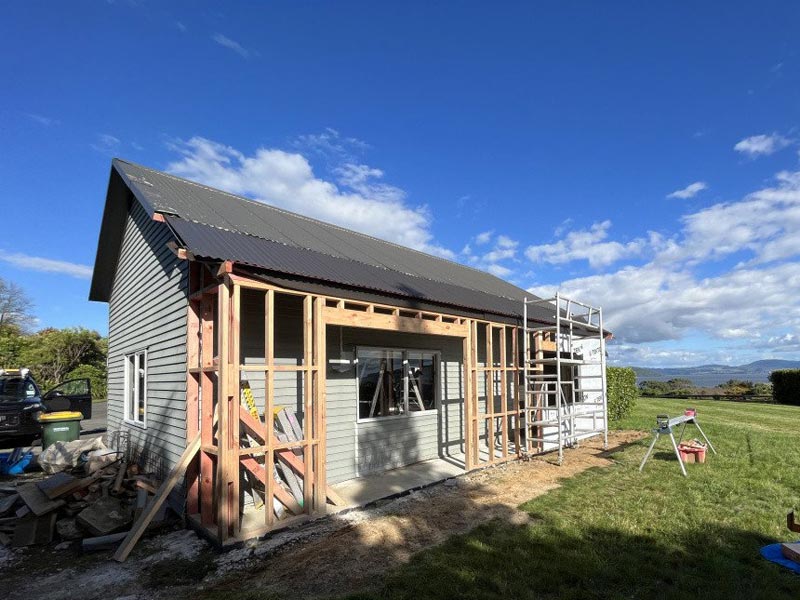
[
  {"x": 17, "y": 388},
  {"x": 395, "y": 383},
  {"x": 136, "y": 387}
]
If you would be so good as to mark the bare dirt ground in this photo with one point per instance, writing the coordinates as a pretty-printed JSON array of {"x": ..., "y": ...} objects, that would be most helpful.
[
  {"x": 352, "y": 558},
  {"x": 342, "y": 554}
]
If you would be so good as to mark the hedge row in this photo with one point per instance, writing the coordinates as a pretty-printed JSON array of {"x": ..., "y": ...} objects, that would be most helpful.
[
  {"x": 786, "y": 386},
  {"x": 621, "y": 390}
]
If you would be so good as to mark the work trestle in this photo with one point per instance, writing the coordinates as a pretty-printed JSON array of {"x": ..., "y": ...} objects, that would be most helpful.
[{"x": 665, "y": 426}]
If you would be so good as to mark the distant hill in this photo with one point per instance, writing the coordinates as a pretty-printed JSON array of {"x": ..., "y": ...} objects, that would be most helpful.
[{"x": 712, "y": 375}]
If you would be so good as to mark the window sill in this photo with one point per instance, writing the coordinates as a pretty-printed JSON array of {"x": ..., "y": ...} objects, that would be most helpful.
[
  {"x": 135, "y": 424},
  {"x": 411, "y": 415}
]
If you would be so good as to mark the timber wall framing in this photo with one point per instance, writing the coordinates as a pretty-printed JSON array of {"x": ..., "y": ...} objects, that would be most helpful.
[{"x": 239, "y": 449}]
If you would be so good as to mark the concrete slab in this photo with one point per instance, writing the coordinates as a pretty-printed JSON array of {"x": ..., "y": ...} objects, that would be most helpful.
[
  {"x": 106, "y": 515},
  {"x": 363, "y": 490}
]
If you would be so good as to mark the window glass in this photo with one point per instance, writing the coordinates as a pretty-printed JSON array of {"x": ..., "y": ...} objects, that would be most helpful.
[
  {"x": 136, "y": 387},
  {"x": 130, "y": 385},
  {"x": 77, "y": 387},
  {"x": 12, "y": 388},
  {"x": 421, "y": 387},
  {"x": 395, "y": 382},
  {"x": 381, "y": 384},
  {"x": 140, "y": 388}
]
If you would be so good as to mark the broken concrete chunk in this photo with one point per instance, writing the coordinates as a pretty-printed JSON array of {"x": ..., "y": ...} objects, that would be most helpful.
[
  {"x": 67, "y": 529},
  {"x": 105, "y": 516},
  {"x": 34, "y": 530},
  {"x": 7, "y": 503},
  {"x": 36, "y": 500}
]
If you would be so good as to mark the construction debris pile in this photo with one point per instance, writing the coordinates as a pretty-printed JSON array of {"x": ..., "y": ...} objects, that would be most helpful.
[{"x": 88, "y": 493}]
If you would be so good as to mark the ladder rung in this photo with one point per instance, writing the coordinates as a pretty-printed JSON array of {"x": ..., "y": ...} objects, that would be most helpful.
[
  {"x": 540, "y": 329},
  {"x": 581, "y": 323}
]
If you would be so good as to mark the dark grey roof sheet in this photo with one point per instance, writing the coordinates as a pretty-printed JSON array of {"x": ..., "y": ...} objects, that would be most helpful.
[
  {"x": 191, "y": 201},
  {"x": 219, "y": 244},
  {"x": 213, "y": 224}
]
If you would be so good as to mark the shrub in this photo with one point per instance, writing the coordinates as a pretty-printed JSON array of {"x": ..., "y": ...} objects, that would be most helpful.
[
  {"x": 621, "y": 384},
  {"x": 786, "y": 386}
]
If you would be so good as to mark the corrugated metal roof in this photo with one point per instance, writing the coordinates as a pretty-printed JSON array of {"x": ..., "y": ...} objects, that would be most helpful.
[
  {"x": 217, "y": 225},
  {"x": 195, "y": 202},
  {"x": 219, "y": 244}
]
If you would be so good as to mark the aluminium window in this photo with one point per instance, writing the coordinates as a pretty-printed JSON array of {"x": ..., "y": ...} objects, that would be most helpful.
[
  {"x": 136, "y": 388},
  {"x": 394, "y": 383}
]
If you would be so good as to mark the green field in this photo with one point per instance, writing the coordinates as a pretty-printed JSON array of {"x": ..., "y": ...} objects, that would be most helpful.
[{"x": 618, "y": 533}]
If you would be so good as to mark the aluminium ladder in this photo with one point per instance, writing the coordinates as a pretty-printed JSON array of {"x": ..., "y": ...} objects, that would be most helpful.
[{"x": 564, "y": 388}]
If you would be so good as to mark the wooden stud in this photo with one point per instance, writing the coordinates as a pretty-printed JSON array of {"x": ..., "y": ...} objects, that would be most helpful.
[
  {"x": 234, "y": 384},
  {"x": 356, "y": 318},
  {"x": 503, "y": 392},
  {"x": 225, "y": 268},
  {"x": 490, "y": 434},
  {"x": 207, "y": 402},
  {"x": 466, "y": 360},
  {"x": 475, "y": 394},
  {"x": 308, "y": 408},
  {"x": 224, "y": 475},
  {"x": 180, "y": 252},
  {"x": 517, "y": 400},
  {"x": 269, "y": 402},
  {"x": 320, "y": 411},
  {"x": 192, "y": 404}
]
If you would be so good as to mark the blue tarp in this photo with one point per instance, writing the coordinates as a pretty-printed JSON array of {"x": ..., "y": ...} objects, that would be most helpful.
[{"x": 773, "y": 554}]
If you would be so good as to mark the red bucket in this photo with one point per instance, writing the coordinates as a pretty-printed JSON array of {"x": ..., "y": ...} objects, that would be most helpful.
[{"x": 692, "y": 454}]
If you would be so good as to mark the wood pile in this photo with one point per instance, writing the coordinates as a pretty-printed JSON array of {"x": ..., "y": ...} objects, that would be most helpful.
[{"x": 75, "y": 505}]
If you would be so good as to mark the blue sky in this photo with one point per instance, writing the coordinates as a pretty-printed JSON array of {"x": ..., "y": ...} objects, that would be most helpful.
[{"x": 640, "y": 157}]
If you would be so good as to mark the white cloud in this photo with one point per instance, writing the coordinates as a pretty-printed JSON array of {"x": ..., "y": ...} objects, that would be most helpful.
[
  {"x": 761, "y": 145},
  {"x": 46, "y": 265},
  {"x": 655, "y": 303},
  {"x": 690, "y": 191},
  {"x": 764, "y": 223},
  {"x": 504, "y": 249},
  {"x": 181, "y": 27},
  {"x": 586, "y": 244},
  {"x": 484, "y": 237},
  {"x": 227, "y": 42},
  {"x": 684, "y": 290},
  {"x": 105, "y": 143},
  {"x": 788, "y": 342},
  {"x": 331, "y": 145},
  {"x": 359, "y": 200},
  {"x": 41, "y": 119}
]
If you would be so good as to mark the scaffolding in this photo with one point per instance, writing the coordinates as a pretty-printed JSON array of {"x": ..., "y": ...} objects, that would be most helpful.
[{"x": 564, "y": 376}]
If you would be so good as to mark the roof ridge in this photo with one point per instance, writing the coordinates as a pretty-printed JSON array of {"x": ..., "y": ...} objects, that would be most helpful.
[{"x": 312, "y": 219}]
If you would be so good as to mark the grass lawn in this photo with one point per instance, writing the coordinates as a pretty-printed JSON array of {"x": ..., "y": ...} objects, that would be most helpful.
[{"x": 618, "y": 533}]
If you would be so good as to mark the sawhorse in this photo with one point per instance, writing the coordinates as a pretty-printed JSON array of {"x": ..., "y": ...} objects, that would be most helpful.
[{"x": 665, "y": 426}]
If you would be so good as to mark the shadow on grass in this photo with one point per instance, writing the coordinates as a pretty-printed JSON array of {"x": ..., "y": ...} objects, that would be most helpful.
[{"x": 545, "y": 560}]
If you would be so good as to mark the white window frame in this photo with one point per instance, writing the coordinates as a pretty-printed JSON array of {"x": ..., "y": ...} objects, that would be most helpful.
[
  {"x": 134, "y": 386},
  {"x": 408, "y": 414}
]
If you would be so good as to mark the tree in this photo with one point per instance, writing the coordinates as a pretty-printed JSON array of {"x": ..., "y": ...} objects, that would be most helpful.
[
  {"x": 15, "y": 307},
  {"x": 51, "y": 354}
]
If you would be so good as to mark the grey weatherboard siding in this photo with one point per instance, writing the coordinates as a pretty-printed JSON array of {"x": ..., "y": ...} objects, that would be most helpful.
[{"x": 148, "y": 310}]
